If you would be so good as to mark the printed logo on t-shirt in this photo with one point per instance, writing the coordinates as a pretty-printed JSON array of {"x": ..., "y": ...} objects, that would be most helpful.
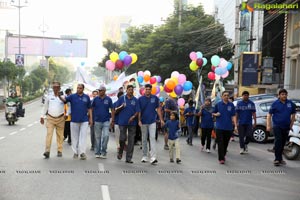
[
  {"x": 289, "y": 105},
  {"x": 153, "y": 100},
  {"x": 105, "y": 102},
  {"x": 229, "y": 108},
  {"x": 84, "y": 99},
  {"x": 132, "y": 102}
]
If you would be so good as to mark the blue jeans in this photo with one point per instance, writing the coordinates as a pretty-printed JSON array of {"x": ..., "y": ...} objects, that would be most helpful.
[
  {"x": 281, "y": 136},
  {"x": 101, "y": 137}
]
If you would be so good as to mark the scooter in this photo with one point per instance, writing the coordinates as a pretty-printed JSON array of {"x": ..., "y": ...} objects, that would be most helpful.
[
  {"x": 292, "y": 149},
  {"x": 11, "y": 112}
]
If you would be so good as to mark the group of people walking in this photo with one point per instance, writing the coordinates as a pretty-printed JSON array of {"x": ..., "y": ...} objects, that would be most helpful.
[{"x": 128, "y": 112}]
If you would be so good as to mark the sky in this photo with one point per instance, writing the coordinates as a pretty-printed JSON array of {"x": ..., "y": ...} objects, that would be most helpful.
[{"x": 84, "y": 18}]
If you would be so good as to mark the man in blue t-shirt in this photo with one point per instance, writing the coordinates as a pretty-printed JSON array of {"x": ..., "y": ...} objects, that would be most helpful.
[
  {"x": 282, "y": 113},
  {"x": 150, "y": 108},
  {"x": 225, "y": 114},
  {"x": 128, "y": 109},
  {"x": 102, "y": 112},
  {"x": 245, "y": 112},
  {"x": 81, "y": 118}
]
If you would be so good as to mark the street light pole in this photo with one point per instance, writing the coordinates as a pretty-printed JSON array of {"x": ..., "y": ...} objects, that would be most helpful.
[{"x": 19, "y": 6}]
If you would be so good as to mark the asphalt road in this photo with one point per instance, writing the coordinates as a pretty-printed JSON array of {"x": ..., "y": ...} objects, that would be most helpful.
[{"x": 25, "y": 174}]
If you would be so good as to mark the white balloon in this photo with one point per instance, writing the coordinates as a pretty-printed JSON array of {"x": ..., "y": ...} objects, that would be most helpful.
[
  {"x": 147, "y": 72},
  {"x": 175, "y": 74},
  {"x": 186, "y": 92}
]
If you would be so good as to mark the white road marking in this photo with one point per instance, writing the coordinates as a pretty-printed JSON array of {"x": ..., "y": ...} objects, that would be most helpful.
[
  {"x": 1, "y": 138},
  {"x": 100, "y": 167},
  {"x": 13, "y": 133},
  {"x": 22, "y": 129},
  {"x": 105, "y": 192},
  {"x": 29, "y": 125}
]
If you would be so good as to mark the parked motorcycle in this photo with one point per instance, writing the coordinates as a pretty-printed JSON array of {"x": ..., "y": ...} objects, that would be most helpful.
[
  {"x": 11, "y": 112},
  {"x": 292, "y": 149}
]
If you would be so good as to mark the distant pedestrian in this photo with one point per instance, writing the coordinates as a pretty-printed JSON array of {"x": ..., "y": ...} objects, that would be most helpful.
[
  {"x": 67, "y": 112},
  {"x": 102, "y": 112},
  {"x": 245, "y": 112},
  {"x": 224, "y": 112},
  {"x": 207, "y": 124},
  {"x": 173, "y": 137},
  {"x": 128, "y": 110},
  {"x": 282, "y": 113},
  {"x": 92, "y": 126},
  {"x": 81, "y": 118},
  {"x": 170, "y": 106},
  {"x": 150, "y": 108},
  {"x": 54, "y": 111}
]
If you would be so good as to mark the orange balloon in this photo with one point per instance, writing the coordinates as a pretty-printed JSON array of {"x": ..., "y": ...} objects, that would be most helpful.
[
  {"x": 146, "y": 78},
  {"x": 171, "y": 84},
  {"x": 153, "y": 90},
  {"x": 115, "y": 77}
]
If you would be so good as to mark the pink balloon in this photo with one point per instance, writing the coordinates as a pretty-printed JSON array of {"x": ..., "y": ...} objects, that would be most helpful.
[
  {"x": 223, "y": 63},
  {"x": 181, "y": 79},
  {"x": 152, "y": 80},
  {"x": 110, "y": 65},
  {"x": 193, "y": 56},
  {"x": 141, "y": 73},
  {"x": 225, "y": 75},
  {"x": 180, "y": 102}
]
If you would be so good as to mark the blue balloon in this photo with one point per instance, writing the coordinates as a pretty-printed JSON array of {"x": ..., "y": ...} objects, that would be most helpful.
[
  {"x": 161, "y": 99},
  {"x": 229, "y": 66},
  {"x": 140, "y": 79},
  {"x": 204, "y": 61},
  {"x": 199, "y": 54},
  {"x": 188, "y": 85},
  {"x": 218, "y": 71},
  {"x": 122, "y": 55}
]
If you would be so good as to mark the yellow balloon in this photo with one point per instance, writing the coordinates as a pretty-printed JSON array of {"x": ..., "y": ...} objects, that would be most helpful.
[
  {"x": 161, "y": 88},
  {"x": 115, "y": 77},
  {"x": 175, "y": 80},
  {"x": 114, "y": 56},
  {"x": 154, "y": 84},
  {"x": 193, "y": 66},
  {"x": 173, "y": 94},
  {"x": 134, "y": 58}
]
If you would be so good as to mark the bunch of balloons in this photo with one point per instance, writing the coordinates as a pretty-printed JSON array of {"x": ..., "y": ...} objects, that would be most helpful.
[
  {"x": 177, "y": 85},
  {"x": 220, "y": 68},
  {"x": 146, "y": 78},
  {"x": 118, "y": 61},
  {"x": 198, "y": 60}
]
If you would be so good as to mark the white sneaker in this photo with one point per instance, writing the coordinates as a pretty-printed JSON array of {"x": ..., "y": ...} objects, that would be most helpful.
[
  {"x": 246, "y": 148},
  {"x": 144, "y": 159},
  {"x": 242, "y": 151},
  {"x": 97, "y": 156},
  {"x": 103, "y": 156},
  {"x": 207, "y": 150}
]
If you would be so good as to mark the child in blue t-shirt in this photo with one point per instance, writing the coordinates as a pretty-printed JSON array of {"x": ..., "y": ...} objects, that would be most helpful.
[{"x": 173, "y": 129}]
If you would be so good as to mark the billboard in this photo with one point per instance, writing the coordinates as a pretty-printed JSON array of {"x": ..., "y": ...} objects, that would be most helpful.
[
  {"x": 250, "y": 63},
  {"x": 55, "y": 47}
]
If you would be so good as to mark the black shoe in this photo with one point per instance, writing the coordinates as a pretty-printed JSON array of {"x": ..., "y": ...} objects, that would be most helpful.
[
  {"x": 129, "y": 161},
  {"x": 178, "y": 161},
  {"x": 47, "y": 155},
  {"x": 59, "y": 154},
  {"x": 119, "y": 156},
  {"x": 154, "y": 162},
  {"x": 276, "y": 163},
  {"x": 171, "y": 160}
]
